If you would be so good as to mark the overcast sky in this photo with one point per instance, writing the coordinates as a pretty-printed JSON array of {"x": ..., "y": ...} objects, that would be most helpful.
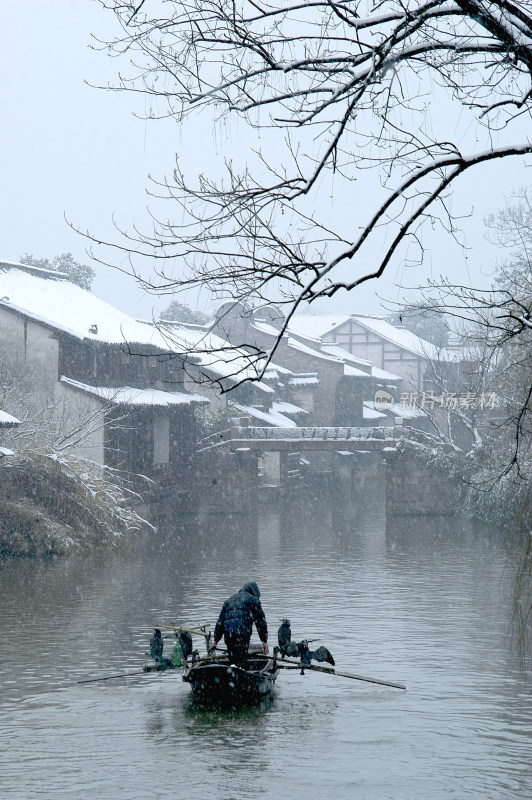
[{"x": 69, "y": 150}]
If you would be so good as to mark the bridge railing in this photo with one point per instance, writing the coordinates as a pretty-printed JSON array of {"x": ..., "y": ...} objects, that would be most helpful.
[
  {"x": 340, "y": 434},
  {"x": 242, "y": 431}
]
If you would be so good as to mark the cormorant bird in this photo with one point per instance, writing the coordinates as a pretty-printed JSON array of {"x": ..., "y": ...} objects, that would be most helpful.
[
  {"x": 292, "y": 649},
  {"x": 322, "y": 654},
  {"x": 284, "y": 635},
  {"x": 289, "y": 648},
  {"x": 156, "y": 646},
  {"x": 185, "y": 640},
  {"x": 306, "y": 655}
]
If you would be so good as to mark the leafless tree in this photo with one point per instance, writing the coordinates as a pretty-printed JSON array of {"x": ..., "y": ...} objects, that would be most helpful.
[
  {"x": 461, "y": 401},
  {"x": 345, "y": 90},
  {"x": 22, "y": 394},
  {"x": 496, "y": 341},
  {"x": 48, "y": 423},
  {"x": 498, "y": 322},
  {"x": 51, "y": 498}
]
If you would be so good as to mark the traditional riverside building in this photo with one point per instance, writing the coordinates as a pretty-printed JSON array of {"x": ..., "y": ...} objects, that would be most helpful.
[
  {"x": 395, "y": 350},
  {"x": 311, "y": 377},
  {"x": 334, "y": 384},
  {"x": 345, "y": 366},
  {"x": 221, "y": 370},
  {"x": 117, "y": 389}
]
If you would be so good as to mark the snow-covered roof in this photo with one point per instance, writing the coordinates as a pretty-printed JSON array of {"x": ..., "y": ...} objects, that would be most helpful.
[
  {"x": 275, "y": 373},
  {"x": 399, "y": 336},
  {"x": 397, "y": 410},
  {"x": 8, "y": 421},
  {"x": 131, "y": 396},
  {"x": 360, "y": 364},
  {"x": 384, "y": 375},
  {"x": 345, "y": 355},
  {"x": 46, "y": 297},
  {"x": 217, "y": 356},
  {"x": 265, "y": 327},
  {"x": 304, "y": 379},
  {"x": 318, "y": 325},
  {"x": 314, "y": 326},
  {"x": 272, "y": 417},
  {"x": 354, "y": 372},
  {"x": 264, "y": 387},
  {"x": 287, "y": 408},
  {"x": 303, "y": 348},
  {"x": 5, "y": 451},
  {"x": 370, "y": 412},
  {"x": 44, "y": 273},
  {"x": 314, "y": 349},
  {"x": 281, "y": 370}
]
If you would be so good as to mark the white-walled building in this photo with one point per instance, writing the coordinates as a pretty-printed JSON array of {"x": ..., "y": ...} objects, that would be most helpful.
[{"x": 116, "y": 388}]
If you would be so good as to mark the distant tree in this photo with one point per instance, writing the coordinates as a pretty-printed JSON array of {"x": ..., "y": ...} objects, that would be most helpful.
[
  {"x": 180, "y": 312},
  {"x": 81, "y": 274},
  {"x": 500, "y": 319}
]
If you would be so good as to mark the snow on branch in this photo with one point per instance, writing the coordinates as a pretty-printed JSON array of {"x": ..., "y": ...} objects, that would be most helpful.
[{"x": 342, "y": 94}]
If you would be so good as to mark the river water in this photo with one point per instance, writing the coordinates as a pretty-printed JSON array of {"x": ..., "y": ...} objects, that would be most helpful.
[{"x": 428, "y": 606}]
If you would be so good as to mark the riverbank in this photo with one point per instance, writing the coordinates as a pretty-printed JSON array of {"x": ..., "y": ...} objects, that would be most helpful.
[{"x": 53, "y": 505}]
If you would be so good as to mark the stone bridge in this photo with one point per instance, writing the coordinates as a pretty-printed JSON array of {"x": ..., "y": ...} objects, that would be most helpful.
[{"x": 229, "y": 466}]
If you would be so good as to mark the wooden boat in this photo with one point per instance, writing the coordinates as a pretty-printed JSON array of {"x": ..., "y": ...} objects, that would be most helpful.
[{"x": 214, "y": 681}]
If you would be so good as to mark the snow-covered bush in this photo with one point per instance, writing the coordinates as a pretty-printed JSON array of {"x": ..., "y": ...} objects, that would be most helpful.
[{"x": 51, "y": 504}]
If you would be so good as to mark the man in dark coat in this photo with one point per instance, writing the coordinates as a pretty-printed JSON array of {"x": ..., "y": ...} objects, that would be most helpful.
[{"x": 235, "y": 623}]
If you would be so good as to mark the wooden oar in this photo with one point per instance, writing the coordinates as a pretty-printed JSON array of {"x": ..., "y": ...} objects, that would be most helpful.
[{"x": 333, "y": 671}]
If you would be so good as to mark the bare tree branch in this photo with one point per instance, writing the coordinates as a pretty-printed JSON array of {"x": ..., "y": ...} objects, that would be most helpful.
[{"x": 348, "y": 85}]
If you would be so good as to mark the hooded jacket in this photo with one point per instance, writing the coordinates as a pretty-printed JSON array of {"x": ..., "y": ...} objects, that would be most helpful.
[{"x": 239, "y": 613}]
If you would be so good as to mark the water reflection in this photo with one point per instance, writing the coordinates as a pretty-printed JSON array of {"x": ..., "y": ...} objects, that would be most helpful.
[{"x": 207, "y": 715}]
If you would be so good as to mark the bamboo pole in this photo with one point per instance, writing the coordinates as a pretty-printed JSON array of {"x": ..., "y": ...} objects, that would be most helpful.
[
  {"x": 186, "y": 630},
  {"x": 333, "y": 671},
  {"x": 111, "y": 677}
]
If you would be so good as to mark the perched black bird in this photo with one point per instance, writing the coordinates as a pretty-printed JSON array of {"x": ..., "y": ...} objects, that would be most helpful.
[
  {"x": 306, "y": 655},
  {"x": 156, "y": 646},
  {"x": 185, "y": 640},
  {"x": 284, "y": 635},
  {"x": 292, "y": 649},
  {"x": 322, "y": 654},
  {"x": 289, "y": 648}
]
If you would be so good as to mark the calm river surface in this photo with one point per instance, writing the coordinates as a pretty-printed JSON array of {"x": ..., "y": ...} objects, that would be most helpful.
[{"x": 429, "y": 607}]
